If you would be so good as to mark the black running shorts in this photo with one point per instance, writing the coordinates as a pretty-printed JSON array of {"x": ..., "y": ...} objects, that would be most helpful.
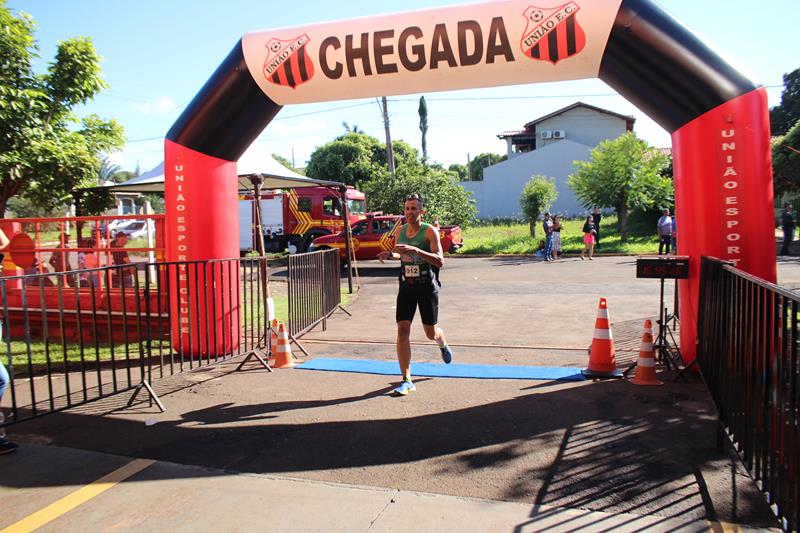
[{"x": 425, "y": 295}]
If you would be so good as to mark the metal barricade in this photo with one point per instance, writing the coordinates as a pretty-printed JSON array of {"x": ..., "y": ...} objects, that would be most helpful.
[
  {"x": 748, "y": 355},
  {"x": 314, "y": 281},
  {"x": 72, "y": 338}
]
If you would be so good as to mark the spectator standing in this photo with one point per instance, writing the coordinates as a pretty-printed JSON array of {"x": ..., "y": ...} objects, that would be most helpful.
[
  {"x": 6, "y": 446},
  {"x": 557, "y": 237},
  {"x": 664, "y": 230},
  {"x": 547, "y": 223},
  {"x": 60, "y": 260},
  {"x": 788, "y": 222},
  {"x": 87, "y": 258},
  {"x": 589, "y": 233},
  {"x": 596, "y": 217},
  {"x": 123, "y": 276}
]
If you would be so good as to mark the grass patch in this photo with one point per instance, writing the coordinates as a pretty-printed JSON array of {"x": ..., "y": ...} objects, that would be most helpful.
[
  {"x": 514, "y": 238},
  {"x": 70, "y": 354}
]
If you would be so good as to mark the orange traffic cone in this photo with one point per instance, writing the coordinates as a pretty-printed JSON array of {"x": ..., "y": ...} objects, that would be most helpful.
[
  {"x": 602, "y": 363},
  {"x": 273, "y": 337},
  {"x": 283, "y": 350},
  {"x": 646, "y": 367}
]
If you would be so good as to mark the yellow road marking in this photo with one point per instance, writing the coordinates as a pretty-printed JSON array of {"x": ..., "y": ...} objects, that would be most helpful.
[{"x": 80, "y": 496}]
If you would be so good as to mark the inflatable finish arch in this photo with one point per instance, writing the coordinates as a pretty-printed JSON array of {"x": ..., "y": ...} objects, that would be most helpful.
[{"x": 718, "y": 118}]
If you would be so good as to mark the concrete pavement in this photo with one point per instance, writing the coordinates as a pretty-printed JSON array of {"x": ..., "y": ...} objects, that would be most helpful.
[
  {"x": 171, "y": 497},
  {"x": 308, "y": 451}
]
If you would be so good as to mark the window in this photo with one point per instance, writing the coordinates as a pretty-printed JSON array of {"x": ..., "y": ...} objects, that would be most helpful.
[
  {"x": 330, "y": 206},
  {"x": 304, "y": 204},
  {"x": 360, "y": 228},
  {"x": 357, "y": 207},
  {"x": 382, "y": 226}
]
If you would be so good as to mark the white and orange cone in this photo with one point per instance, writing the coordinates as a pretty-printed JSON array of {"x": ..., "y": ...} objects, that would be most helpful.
[
  {"x": 646, "y": 366},
  {"x": 273, "y": 337},
  {"x": 602, "y": 359},
  {"x": 283, "y": 350}
]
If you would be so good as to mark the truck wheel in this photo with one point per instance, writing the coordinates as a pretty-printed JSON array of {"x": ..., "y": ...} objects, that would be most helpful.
[{"x": 309, "y": 239}]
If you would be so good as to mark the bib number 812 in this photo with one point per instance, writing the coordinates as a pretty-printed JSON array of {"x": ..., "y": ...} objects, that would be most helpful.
[{"x": 411, "y": 271}]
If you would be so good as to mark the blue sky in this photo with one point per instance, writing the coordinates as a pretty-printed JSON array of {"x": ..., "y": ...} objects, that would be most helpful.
[{"x": 158, "y": 53}]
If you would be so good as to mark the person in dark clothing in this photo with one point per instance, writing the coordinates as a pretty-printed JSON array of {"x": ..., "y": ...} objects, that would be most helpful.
[
  {"x": 596, "y": 217},
  {"x": 788, "y": 221}
]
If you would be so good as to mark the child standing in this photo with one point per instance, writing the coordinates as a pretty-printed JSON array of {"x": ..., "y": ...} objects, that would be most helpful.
[{"x": 589, "y": 233}]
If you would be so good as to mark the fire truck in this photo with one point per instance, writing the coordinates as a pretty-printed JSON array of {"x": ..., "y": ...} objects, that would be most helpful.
[{"x": 294, "y": 218}]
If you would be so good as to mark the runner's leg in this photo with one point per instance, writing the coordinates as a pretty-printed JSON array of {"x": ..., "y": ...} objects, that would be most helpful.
[{"x": 404, "y": 348}]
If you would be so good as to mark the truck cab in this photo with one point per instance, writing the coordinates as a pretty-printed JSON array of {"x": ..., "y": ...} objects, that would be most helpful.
[{"x": 295, "y": 217}]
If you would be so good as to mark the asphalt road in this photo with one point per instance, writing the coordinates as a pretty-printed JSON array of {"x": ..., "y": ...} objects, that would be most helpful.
[{"x": 608, "y": 446}]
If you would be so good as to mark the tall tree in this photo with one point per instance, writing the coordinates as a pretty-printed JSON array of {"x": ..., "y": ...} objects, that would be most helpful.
[
  {"x": 45, "y": 150},
  {"x": 423, "y": 126},
  {"x": 537, "y": 196},
  {"x": 624, "y": 173},
  {"x": 782, "y": 117}
]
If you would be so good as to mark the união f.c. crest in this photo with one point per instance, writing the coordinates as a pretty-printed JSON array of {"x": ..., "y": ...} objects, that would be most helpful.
[
  {"x": 287, "y": 62},
  {"x": 552, "y": 34}
]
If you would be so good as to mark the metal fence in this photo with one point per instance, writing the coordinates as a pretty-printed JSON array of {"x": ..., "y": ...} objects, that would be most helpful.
[
  {"x": 748, "y": 354},
  {"x": 314, "y": 289},
  {"x": 71, "y": 338}
]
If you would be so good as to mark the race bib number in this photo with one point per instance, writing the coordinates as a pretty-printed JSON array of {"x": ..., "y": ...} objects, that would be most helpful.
[{"x": 411, "y": 271}]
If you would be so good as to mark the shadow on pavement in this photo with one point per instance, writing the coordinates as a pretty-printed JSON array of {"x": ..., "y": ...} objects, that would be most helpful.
[{"x": 642, "y": 456}]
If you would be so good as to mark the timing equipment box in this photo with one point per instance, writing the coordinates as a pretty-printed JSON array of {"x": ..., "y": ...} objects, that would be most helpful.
[{"x": 663, "y": 267}]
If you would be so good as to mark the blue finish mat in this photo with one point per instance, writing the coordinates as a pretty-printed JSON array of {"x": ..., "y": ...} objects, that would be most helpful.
[{"x": 441, "y": 370}]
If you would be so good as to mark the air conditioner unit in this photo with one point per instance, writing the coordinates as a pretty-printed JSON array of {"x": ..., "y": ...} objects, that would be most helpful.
[
  {"x": 546, "y": 134},
  {"x": 559, "y": 134}
]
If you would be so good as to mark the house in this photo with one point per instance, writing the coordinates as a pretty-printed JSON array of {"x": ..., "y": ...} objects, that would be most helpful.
[{"x": 548, "y": 146}]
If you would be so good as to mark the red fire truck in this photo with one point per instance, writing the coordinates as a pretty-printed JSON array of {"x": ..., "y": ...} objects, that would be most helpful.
[{"x": 296, "y": 217}]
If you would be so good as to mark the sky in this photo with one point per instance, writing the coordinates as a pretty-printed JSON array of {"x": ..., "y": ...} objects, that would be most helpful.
[{"x": 157, "y": 54}]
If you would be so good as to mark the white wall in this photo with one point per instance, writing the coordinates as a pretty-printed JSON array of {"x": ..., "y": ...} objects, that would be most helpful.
[
  {"x": 498, "y": 194},
  {"x": 582, "y": 125}
]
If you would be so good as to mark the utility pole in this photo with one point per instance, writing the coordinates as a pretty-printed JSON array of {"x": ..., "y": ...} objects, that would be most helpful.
[
  {"x": 469, "y": 164},
  {"x": 389, "y": 151}
]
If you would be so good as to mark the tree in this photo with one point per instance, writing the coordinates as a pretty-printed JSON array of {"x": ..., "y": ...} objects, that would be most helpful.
[
  {"x": 423, "y": 126},
  {"x": 45, "y": 150},
  {"x": 537, "y": 196},
  {"x": 782, "y": 117},
  {"x": 624, "y": 173},
  {"x": 786, "y": 161},
  {"x": 443, "y": 197},
  {"x": 460, "y": 170},
  {"x": 482, "y": 161},
  {"x": 353, "y": 158},
  {"x": 353, "y": 129},
  {"x": 108, "y": 170},
  {"x": 285, "y": 162}
]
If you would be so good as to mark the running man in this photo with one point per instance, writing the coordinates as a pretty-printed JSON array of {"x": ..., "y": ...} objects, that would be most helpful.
[{"x": 420, "y": 253}]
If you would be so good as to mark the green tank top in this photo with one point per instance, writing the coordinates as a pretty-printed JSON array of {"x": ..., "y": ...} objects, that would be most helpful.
[{"x": 420, "y": 241}]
